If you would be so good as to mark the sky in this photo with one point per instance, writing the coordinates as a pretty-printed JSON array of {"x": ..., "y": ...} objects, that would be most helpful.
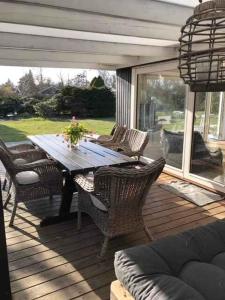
[{"x": 14, "y": 73}]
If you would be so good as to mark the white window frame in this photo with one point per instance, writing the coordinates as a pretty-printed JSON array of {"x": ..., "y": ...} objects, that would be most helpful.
[{"x": 189, "y": 112}]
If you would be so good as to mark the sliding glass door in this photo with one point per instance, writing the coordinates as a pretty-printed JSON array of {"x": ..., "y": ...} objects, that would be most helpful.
[
  {"x": 208, "y": 137},
  {"x": 161, "y": 112},
  {"x": 187, "y": 129}
]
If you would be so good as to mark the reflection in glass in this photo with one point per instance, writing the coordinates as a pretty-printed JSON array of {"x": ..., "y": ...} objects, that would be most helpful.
[
  {"x": 160, "y": 112},
  {"x": 208, "y": 140}
]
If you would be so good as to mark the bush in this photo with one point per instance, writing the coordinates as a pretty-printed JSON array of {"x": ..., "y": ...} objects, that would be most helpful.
[
  {"x": 46, "y": 109},
  {"x": 27, "y": 105},
  {"x": 101, "y": 103},
  {"x": 89, "y": 102},
  {"x": 25, "y": 115},
  {"x": 95, "y": 101},
  {"x": 9, "y": 105}
]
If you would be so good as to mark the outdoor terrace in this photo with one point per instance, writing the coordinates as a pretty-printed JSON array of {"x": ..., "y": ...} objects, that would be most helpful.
[{"x": 58, "y": 262}]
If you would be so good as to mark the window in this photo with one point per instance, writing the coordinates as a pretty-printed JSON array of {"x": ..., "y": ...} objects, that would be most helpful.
[{"x": 160, "y": 112}]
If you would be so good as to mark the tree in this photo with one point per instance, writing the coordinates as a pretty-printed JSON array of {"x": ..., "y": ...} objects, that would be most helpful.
[
  {"x": 109, "y": 78},
  {"x": 168, "y": 93},
  {"x": 47, "y": 109},
  {"x": 42, "y": 82},
  {"x": 27, "y": 86},
  {"x": 80, "y": 80},
  {"x": 7, "y": 89},
  {"x": 61, "y": 83},
  {"x": 86, "y": 102},
  {"x": 97, "y": 83}
]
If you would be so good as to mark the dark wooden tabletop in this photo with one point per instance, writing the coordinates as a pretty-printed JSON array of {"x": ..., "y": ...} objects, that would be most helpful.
[{"x": 87, "y": 157}]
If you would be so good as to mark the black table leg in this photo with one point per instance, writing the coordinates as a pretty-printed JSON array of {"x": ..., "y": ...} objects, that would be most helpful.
[
  {"x": 64, "y": 211},
  {"x": 67, "y": 196}
]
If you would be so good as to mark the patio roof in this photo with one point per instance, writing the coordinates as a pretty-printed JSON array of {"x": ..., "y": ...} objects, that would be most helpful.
[{"x": 95, "y": 34}]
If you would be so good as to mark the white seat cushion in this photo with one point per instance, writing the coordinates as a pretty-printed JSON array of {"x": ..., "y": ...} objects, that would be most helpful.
[
  {"x": 20, "y": 161},
  {"x": 27, "y": 177},
  {"x": 97, "y": 203}
]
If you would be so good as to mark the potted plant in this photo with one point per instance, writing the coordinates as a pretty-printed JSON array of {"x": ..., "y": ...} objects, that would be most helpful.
[{"x": 74, "y": 133}]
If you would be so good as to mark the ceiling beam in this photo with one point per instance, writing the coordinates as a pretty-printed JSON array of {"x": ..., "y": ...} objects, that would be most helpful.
[
  {"x": 31, "y": 42},
  {"x": 56, "y": 17},
  {"x": 81, "y": 35},
  {"x": 54, "y": 64},
  {"x": 67, "y": 57},
  {"x": 44, "y": 58},
  {"x": 154, "y": 10}
]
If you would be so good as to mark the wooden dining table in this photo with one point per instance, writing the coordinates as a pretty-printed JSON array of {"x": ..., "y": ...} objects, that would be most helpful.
[{"x": 85, "y": 158}]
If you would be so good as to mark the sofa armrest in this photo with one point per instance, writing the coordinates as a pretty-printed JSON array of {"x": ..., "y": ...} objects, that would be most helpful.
[{"x": 118, "y": 292}]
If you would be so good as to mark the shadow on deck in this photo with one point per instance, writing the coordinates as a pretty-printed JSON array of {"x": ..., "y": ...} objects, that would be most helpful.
[{"x": 58, "y": 262}]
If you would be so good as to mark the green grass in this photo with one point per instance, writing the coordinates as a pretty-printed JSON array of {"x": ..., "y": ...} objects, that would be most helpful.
[{"x": 18, "y": 130}]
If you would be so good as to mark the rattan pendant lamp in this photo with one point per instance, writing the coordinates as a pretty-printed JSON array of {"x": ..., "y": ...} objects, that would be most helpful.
[{"x": 202, "y": 48}]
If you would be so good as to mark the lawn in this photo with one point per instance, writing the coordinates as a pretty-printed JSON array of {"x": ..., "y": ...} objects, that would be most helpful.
[{"x": 18, "y": 130}]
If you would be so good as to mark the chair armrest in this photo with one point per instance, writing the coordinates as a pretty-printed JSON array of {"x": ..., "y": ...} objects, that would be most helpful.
[
  {"x": 84, "y": 183},
  {"x": 21, "y": 147},
  {"x": 104, "y": 136},
  {"x": 35, "y": 166},
  {"x": 102, "y": 139},
  {"x": 130, "y": 153},
  {"x": 30, "y": 156},
  {"x": 111, "y": 145}
]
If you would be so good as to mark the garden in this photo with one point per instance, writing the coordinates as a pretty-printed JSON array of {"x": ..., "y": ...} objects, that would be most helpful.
[
  {"x": 40, "y": 107},
  {"x": 18, "y": 130}
]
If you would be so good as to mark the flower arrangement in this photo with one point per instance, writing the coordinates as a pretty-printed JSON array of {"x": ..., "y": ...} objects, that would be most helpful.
[{"x": 74, "y": 132}]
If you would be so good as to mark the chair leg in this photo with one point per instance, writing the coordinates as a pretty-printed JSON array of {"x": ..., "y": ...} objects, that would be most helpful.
[
  {"x": 13, "y": 214},
  {"x": 148, "y": 233},
  {"x": 10, "y": 185},
  {"x": 7, "y": 201},
  {"x": 104, "y": 246},
  {"x": 4, "y": 184},
  {"x": 79, "y": 220}
]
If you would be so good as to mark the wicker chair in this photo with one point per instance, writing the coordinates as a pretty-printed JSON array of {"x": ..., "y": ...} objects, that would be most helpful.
[
  {"x": 31, "y": 181},
  {"x": 17, "y": 148},
  {"x": 115, "y": 137},
  {"x": 20, "y": 154},
  {"x": 114, "y": 198},
  {"x": 105, "y": 137},
  {"x": 133, "y": 144}
]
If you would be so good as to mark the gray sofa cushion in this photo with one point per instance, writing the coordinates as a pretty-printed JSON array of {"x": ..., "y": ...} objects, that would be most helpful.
[
  {"x": 206, "y": 278},
  {"x": 188, "y": 266}
]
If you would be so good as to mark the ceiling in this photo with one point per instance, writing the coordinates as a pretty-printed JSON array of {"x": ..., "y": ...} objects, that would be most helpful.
[
  {"x": 96, "y": 34},
  {"x": 190, "y": 3}
]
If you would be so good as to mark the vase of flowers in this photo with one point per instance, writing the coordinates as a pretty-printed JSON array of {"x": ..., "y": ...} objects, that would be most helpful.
[{"x": 74, "y": 133}]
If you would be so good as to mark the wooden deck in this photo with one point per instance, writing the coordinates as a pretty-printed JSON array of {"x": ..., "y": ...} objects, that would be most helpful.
[{"x": 58, "y": 262}]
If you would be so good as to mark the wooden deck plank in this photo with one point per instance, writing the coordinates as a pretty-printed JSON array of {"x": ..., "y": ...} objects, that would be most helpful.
[{"x": 58, "y": 262}]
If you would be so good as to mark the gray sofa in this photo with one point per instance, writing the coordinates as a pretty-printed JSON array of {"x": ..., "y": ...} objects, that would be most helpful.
[
  {"x": 188, "y": 266},
  {"x": 202, "y": 156}
]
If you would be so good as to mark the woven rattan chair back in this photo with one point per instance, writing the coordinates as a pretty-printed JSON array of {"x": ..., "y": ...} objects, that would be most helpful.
[
  {"x": 118, "y": 134},
  {"x": 49, "y": 181},
  {"x": 3, "y": 146},
  {"x": 124, "y": 189},
  {"x": 136, "y": 140},
  {"x": 7, "y": 162}
]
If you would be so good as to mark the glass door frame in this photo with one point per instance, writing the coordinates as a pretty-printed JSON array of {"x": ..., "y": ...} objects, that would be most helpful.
[{"x": 189, "y": 119}]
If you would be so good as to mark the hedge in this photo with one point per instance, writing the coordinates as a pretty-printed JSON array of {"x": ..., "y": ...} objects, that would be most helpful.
[{"x": 93, "y": 102}]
